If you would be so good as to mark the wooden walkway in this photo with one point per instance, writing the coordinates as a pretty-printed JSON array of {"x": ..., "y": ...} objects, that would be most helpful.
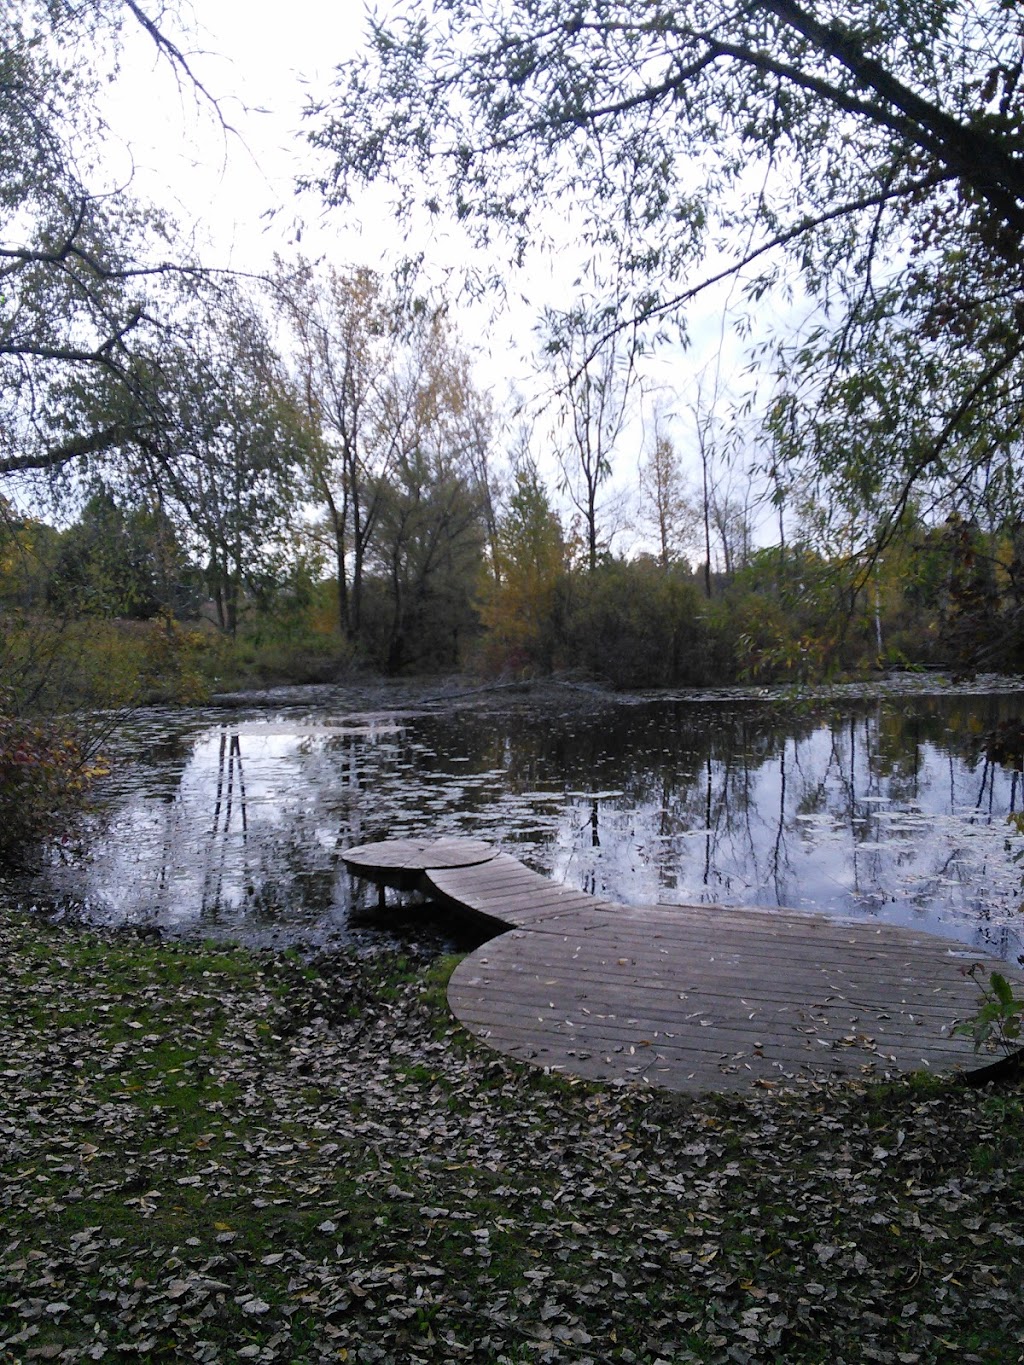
[{"x": 689, "y": 998}]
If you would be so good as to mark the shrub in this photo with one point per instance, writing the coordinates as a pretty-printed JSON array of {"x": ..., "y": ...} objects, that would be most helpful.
[
  {"x": 637, "y": 625},
  {"x": 45, "y": 770}
]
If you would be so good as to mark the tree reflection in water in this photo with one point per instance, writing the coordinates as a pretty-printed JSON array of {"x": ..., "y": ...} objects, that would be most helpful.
[
  {"x": 895, "y": 809},
  {"x": 229, "y": 760}
]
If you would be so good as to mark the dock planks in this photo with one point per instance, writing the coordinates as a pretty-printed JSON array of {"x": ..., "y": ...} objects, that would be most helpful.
[{"x": 689, "y": 998}]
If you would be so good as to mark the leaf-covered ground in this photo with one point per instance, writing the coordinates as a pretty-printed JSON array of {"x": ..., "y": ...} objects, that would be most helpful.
[{"x": 216, "y": 1155}]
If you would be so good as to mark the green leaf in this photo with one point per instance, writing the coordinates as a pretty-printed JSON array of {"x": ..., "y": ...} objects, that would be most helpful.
[{"x": 1002, "y": 989}]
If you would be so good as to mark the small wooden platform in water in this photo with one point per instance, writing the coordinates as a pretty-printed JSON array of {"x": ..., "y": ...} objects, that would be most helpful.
[{"x": 690, "y": 998}]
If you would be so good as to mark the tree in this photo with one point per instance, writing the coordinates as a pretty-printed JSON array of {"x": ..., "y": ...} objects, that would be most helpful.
[
  {"x": 730, "y": 516},
  {"x": 429, "y": 537},
  {"x": 597, "y": 387},
  {"x": 87, "y": 298},
  {"x": 347, "y": 336},
  {"x": 636, "y": 625},
  {"x": 364, "y": 365},
  {"x": 429, "y": 549},
  {"x": 79, "y": 258},
  {"x": 873, "y": 164},
  {"x": 664, "y": 502},
  {"x": 519, "y": 608},
  {"x": 28, "y": 551},
  {"x": 715, "y": 508},
  {"x": 111, "y": 563},
  {"x": 241, "y": 450}
]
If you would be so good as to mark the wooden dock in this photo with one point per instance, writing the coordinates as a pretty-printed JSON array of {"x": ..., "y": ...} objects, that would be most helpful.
[{"x": 689, "y": 998}]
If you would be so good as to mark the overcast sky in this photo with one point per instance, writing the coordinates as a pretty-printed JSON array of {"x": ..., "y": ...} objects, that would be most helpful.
[
  {"x": 259, "y": 62},
  {"x": 235, "y": 190},
  {"x": 262, "y": 62}
]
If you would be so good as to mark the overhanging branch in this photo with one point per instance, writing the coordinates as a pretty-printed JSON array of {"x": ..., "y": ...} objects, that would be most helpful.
[{"x": 78, "y": 447}]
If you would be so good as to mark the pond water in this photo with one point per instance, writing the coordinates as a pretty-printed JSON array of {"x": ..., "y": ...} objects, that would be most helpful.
[{"x": 234, "y": 822}]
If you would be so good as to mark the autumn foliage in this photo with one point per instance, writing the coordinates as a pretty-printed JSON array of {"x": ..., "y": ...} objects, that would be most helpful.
[{"x": 45, "y": 770}]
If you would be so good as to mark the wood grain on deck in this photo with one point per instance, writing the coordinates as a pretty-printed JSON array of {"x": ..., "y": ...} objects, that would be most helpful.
[{"x": 689, "y": 998}]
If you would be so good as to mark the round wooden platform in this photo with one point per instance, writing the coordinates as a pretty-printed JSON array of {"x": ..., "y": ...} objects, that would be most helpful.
[
  {"x": 401, "y": 863},
  {"x": 690, "y": 998}
]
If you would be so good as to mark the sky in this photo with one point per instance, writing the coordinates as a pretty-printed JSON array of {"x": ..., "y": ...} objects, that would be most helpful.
[
  {"x": 260, "y": 70},
  {"x": 234, "y": 190}
]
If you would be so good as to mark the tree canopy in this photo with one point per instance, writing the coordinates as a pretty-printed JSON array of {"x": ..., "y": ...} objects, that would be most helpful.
[
  {"x": 87, "y": 274},
  {"x": 872, "y": 166}
]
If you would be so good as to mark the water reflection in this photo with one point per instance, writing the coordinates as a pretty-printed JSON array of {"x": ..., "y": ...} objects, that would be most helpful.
[{"x": 887, "y": 809}]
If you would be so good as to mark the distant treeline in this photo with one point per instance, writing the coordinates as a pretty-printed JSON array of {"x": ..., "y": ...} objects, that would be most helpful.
[{"x": 521, "y": 603}]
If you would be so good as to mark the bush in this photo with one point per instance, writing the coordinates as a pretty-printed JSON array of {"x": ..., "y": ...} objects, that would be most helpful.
[
  {"x": 45, "y": 771},
  {"x": 52, "y": 666},
  {"x": 766, "y": 643},
  {"x": 637, "y": 625}
]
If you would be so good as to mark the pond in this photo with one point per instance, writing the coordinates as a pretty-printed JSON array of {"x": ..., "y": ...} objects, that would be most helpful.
[{"x": 233, "y": 821}]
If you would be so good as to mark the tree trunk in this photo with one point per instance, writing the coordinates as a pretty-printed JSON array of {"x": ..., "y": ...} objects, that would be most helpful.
[{"x": 337, "y": 516}]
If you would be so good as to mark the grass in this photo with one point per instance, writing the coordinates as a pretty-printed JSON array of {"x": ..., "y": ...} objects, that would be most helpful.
[{"x": 220, "y": 1155}]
